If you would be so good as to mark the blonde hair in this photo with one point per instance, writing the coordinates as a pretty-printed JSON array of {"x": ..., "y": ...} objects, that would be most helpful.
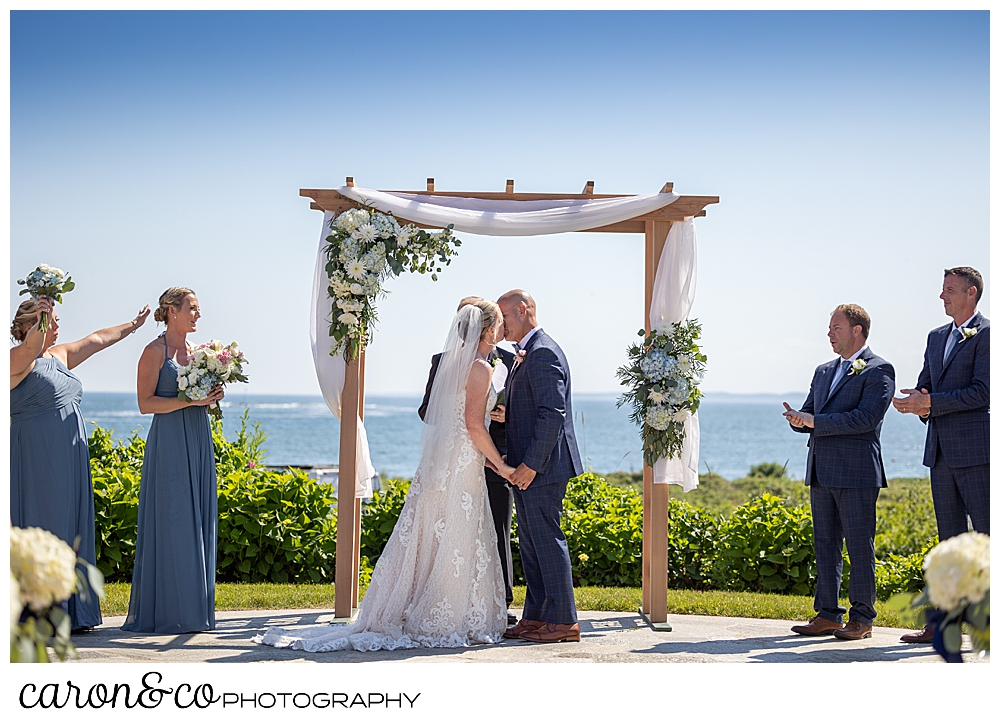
[
  {"x": 491, "y": 314},
  {"x": 24, "y": 319},
  {"x": 172, "y": 297}
]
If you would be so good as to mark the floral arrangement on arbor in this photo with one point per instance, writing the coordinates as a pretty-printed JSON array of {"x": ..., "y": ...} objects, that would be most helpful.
[
  {"x": 365, "y": 247},
  {"x": 662, "y": 379},
  {"x": 47, "y": 281},
  {"x": 957, "y": 573},
  {"x": 43, "y": 573}
]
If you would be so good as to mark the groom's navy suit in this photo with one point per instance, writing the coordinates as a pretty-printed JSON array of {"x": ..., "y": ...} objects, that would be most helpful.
[
  {"x": 957, "y": 448},
  {"x": 845, "y": 473},
  {"x": 540, "y": 435}
]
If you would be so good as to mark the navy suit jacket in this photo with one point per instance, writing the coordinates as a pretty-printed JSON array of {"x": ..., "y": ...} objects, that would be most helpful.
[
  {"x": 497, "y": 429},
  {"x": 959, "y": 422},
  {"x": 844, "y": 445},
  {"x": 540, "y": 414}
]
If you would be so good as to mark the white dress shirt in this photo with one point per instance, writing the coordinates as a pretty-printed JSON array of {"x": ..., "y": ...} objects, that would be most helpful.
[
  {"x": 840, "y": 367},
  {"x": 950, "y": 341}
]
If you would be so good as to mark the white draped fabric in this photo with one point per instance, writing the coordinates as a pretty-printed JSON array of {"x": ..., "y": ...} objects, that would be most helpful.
[
  {"x": 673, "y": 296},
  {"x": 489, "y": 217},
  {"x": 331, "y": 370},
  {"x": 673, "y": 290}
]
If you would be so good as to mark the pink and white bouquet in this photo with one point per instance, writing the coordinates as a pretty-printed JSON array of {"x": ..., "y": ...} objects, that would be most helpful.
[{"x": 212, "y": 364}]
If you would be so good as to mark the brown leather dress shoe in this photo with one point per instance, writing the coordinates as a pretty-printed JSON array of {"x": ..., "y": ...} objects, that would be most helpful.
[
  {"x": 522, "y": 626},
  {"x": 553, "y": 633},
  {"x": 925, "y": 636},
  {"x": 854, "y": 630},
  {"x": 817, "y": 626}
]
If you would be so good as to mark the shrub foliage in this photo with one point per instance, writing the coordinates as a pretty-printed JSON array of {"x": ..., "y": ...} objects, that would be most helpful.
[{"x": 280, "y": 526}]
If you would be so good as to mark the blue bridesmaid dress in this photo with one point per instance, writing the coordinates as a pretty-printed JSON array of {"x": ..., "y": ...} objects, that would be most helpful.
[
  {"x": 173, "y": 584},
  {"x": 50, "y": 484}
]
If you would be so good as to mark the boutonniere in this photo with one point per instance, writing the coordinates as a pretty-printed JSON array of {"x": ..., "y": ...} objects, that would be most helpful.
[
  {"x": 968, "y": 332},
  {"x": 496, "y": 360},
  {"x": 857, "y": 366},
  {"x": 519, "y": 357}
]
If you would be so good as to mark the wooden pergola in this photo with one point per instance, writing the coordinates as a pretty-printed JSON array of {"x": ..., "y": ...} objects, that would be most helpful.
[{"x": 655, "y": 226}]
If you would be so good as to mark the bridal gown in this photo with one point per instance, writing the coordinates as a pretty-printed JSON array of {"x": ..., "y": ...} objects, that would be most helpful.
[{"x": 438, "y": 583}]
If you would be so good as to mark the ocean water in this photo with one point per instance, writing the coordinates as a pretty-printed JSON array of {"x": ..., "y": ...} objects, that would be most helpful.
[{"x": 737, "y": 431}]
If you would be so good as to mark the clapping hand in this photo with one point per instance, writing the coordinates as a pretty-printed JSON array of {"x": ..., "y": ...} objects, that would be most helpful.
[
  {"x": 915, "y": 402},
  {"x": 797, "y": 418}
]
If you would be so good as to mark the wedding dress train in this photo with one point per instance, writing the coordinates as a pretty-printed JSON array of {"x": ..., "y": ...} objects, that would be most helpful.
[{"x": 438, "y": 582}]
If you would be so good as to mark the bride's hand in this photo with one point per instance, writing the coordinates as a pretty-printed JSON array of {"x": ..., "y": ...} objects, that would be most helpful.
[{"x": 506, "y": 471}]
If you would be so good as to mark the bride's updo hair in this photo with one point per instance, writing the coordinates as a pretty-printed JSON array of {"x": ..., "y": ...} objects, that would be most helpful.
[
  {"x": 24, "y": 319},
  {"x": 172, "y": 297}
]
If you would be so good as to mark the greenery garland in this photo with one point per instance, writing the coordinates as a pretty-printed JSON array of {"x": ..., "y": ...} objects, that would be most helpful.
[
  {"x": 365, "y": 247},
  {"x": 662, "y": 379}
]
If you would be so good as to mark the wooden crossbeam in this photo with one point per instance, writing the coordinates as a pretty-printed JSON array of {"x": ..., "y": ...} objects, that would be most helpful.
[{"x": 329, "y": 200}]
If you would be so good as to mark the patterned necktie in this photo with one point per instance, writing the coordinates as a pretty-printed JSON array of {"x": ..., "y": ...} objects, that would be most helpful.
[
  {"x": 952, "y": 343},
  {"x": 844, "y": 363}
]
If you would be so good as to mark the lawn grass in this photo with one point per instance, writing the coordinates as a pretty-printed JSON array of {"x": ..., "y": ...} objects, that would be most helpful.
[{"x": 274, "y": 596}]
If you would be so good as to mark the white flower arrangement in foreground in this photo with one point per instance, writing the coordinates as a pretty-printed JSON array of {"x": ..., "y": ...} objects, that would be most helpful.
[
  {"x": 44, "y": 571},
  {"x": 662, "y": 379},
  {"x": 957, "y": 571},
  {"x": 212, "y": 364},
  {"x": 44, "y": 565},
  {"x": 364, "y": 248}
]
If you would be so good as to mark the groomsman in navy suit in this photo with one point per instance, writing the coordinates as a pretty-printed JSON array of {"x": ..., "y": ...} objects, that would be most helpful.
[
  {"x": 499, "y": 491},
  {"x": 541, "y": 445},
  {"x": 842, "y": 415},
  {"x": 952, "y": 398}
]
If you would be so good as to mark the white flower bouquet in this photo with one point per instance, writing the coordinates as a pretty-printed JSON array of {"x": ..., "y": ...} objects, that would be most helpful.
[
  {"x": 43, "y": 573},
  {"x": 364, "y": 248},
  {"x": 46, "y": 281},
  {"x": 212, "y": 364},
  {"x": 662, "y": 379}
]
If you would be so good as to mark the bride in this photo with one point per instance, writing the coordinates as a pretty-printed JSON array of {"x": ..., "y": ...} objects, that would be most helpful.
[{"x": 438, "y": 582}]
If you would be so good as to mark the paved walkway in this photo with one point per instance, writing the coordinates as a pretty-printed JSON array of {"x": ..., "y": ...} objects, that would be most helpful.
[{"x": 607, "y": 638}]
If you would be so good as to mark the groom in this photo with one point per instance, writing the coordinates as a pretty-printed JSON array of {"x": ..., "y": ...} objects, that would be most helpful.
[{"x": 541, "y": 445}]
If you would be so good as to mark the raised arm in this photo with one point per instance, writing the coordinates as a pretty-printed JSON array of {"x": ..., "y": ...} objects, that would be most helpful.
[
  {"x": 22, "y": 356},
  {"x": 149, "y": 374},
  {"x": 75, "y": 353},
  {"x": 476, "y": 391}
]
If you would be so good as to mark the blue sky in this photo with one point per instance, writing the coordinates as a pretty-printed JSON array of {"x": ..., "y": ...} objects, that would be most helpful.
[{"x": 850, "y": 152}]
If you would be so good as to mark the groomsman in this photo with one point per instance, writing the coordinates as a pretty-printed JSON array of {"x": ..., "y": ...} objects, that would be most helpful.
[
  {"x": 501, "y": 494},
  {"x": 952, "y": 397},
  {"x": 843, "y": 415}
]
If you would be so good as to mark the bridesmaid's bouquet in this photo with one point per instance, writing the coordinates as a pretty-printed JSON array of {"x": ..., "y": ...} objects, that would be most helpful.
[
  {"x": 213, "y": 364},
  {"x": 46, "y": 281}
]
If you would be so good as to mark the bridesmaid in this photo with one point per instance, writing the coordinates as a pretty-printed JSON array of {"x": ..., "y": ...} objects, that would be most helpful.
[
  {"x": 173, "y": 584},
  {"x": 50, "y": 484}
]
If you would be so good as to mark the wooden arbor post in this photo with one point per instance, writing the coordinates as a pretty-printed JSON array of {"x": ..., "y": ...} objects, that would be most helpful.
[{"x": 655, "y": 226}]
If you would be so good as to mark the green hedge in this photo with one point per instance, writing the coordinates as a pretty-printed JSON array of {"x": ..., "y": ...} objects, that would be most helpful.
[{"x": 280, "y": 526}]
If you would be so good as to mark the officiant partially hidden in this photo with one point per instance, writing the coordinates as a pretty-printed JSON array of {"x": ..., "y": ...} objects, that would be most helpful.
[{"x": 501, "y": 494}]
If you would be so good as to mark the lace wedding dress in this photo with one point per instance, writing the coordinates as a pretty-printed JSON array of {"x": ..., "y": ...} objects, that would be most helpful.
[{"x": 438, "y": 582}]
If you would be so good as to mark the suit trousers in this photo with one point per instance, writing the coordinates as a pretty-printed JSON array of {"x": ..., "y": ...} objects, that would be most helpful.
[
  {"x": 841, "y": 513},
  {"x": 957, "y": 492},
  {"x": 501, "y": 496},
  {"x": 545, "y": 554}
]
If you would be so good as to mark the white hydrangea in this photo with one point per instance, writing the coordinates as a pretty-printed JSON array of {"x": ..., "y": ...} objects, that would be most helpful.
[
  {"x": 15, "y": 603},
  {"x": 657, "y": 365},
  {"x": 44, "y": 565},
  {"x": 958, "y": 570},
  {"x": 341, "y": 288},
  {"x": 659, "y": 417}
]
